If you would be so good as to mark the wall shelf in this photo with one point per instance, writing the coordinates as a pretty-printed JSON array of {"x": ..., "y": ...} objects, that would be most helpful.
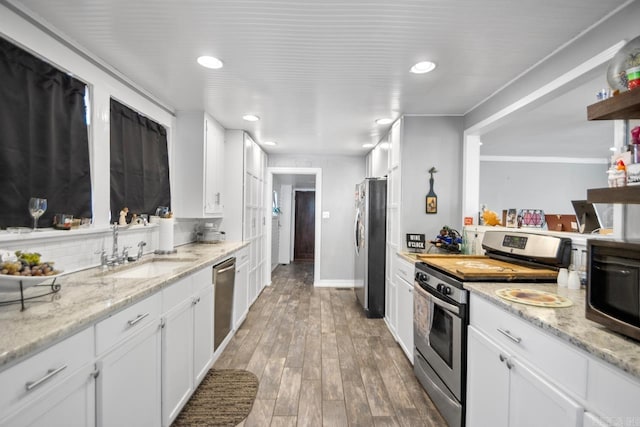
[
  {"x": 628, "y": 195},
  {"x": 624, "y": 106}
]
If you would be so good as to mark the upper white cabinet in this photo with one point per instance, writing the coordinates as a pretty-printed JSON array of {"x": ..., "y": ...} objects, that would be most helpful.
[
  {"x": 246, "y": 211},
  {"x": 199, "y": 166}
]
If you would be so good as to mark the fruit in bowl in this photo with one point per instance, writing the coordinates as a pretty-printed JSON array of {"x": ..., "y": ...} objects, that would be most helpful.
[{"x": 28, "y": 264}]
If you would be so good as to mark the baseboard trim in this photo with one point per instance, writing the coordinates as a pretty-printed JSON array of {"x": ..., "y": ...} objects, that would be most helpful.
[{"x": 334, "y": 284}]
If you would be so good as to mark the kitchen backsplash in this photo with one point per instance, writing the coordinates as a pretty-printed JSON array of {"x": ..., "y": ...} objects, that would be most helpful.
[{"x": 76, "y": 250}]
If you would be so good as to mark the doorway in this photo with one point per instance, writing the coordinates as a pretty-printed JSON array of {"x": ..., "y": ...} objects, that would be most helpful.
[
  {"x": 304, "y": 226},
  {"x": 287, "y": 182}
]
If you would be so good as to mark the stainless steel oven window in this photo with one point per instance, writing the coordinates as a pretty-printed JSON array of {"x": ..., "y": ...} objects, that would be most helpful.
[
  {"x": 441, "y": 334},
  {"x": 442, "y": 348}
]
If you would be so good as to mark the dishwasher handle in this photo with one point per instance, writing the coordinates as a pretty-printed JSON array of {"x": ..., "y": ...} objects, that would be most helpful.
[{"x": 224, "y": 266}]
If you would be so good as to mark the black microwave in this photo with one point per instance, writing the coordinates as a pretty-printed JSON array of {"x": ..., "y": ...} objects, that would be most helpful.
[{"x": 613, "y": 285}]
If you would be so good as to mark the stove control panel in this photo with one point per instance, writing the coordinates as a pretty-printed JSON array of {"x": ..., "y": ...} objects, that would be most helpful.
[{"x": 440, "y": 284}]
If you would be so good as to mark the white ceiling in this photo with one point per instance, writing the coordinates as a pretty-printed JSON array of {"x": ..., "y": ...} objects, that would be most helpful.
[{"x": 317, "y": 72}]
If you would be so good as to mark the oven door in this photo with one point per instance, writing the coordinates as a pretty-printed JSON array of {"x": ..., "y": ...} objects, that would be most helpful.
[{"x": 438, "y": 336}]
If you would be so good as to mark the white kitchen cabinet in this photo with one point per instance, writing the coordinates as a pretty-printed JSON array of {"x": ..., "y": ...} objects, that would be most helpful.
[
  {"x": 405, "y": 318},
  {"x": 199, "y": 166},
  {"x": 202, "y": 333},
  {"x": 187, "y": 340},
  {"x": 177, "y": 357},
  {"x": 391, "y": 307},
  {"x": 241, "y": 288},
  {"x": 485, "y": 369},
  {"x": 53, "y": 387},
  {"x": 247, "y": 209},
  {"x": 128, "y": 385},
  {"x": 70, "y": 404},
  {"x": 519, "y": 396}
]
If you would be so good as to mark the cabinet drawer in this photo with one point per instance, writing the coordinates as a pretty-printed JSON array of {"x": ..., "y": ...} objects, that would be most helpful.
[
  {"x": 202, "y": 279},
  {"x": 613, "y": 394},
  {"x": 126, "y": 323},
  {"x": 39, "y": 373},
  {"x": 552, "y": 357},
  {"x": 404, "y": 269},
  {"x": 176, "y": 293},
  {"x": 242, "y": 255}
]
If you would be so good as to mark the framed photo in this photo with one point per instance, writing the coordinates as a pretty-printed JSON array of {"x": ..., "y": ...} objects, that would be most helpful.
[
  {"x": 512, "y": 218},
  {"x": 432, "y": 204}
]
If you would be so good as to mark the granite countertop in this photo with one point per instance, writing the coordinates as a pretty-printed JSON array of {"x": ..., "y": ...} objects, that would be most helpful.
[
  {"x": 569, "y": 323},
  {"x": 88, "y": 296}
]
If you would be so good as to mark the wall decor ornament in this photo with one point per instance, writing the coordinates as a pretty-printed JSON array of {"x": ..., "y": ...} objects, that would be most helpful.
[{"x": 432, "y": 199}]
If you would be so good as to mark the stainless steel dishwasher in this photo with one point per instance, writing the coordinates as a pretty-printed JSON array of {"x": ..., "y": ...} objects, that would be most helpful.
[{"x": 224, "y": 275}]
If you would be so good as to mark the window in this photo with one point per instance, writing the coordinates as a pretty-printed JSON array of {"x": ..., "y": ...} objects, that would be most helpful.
[
  {"x": 44, "y": 139},
  {"x": 139, "y": 163}
]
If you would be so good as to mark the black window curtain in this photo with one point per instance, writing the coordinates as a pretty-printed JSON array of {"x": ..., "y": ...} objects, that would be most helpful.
[
  {"x": 139, "y": 163},
  {"x": 44, "y": 141}
]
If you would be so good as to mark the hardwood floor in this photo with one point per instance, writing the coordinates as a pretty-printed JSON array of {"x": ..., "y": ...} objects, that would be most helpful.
[{"x": 321, "y": 362}]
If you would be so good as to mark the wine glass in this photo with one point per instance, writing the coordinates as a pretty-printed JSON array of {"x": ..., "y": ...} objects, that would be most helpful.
[{"x": 37, "y": 207}]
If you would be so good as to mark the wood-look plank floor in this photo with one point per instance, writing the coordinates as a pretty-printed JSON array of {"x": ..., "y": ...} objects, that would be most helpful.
[{"x": 321, "y": 362}]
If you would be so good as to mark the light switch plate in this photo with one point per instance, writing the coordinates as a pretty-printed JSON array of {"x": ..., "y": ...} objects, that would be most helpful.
[{"x": 326, "y": 215}]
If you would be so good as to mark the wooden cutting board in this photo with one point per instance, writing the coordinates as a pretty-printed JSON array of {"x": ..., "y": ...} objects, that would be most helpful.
[{"x": 485, "y": 268}]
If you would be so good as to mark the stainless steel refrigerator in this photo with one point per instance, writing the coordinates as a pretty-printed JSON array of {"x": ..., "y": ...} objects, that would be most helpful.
[{"x": 369, "y": 243}]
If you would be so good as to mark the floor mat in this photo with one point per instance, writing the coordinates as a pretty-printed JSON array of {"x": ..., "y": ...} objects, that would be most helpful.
[{"x": 224, "y": 398}]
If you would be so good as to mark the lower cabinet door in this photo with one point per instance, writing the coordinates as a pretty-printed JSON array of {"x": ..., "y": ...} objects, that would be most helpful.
[
  {"x": 69, "y": 404},
  {"x": 202, "y": 333},
  {"x": 487, "y": 382},
  {"x": 534, "y": 402},
  {"x": 405, "y": 317},
  {"x": 128, "y": 386},
  {"x": 177, "y": 356}
]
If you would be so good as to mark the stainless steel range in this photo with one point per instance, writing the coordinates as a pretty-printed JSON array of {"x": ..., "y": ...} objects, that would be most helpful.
[{"x": 441, "y": 312}]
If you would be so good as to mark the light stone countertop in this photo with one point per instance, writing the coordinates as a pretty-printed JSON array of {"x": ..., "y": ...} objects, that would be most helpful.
[
  {"x": 569, "y": 323},
  {"x": 87, "y": 297}
]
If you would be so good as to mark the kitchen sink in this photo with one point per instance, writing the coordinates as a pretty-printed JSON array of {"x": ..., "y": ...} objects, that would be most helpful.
[{"x": 149, "y": 269}]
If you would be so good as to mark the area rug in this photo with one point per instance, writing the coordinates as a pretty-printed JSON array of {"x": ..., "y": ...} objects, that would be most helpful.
[{"x": 224, "y": 398}]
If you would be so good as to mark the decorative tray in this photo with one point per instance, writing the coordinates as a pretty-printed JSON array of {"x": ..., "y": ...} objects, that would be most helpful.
[
  {"x": 534, "y": 297},
  {"x": 11, "y": 283}
]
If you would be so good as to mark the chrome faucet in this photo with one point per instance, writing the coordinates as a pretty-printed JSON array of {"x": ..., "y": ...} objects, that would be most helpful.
[
  {"x": 114, "y": 250},
  {"x": 141, "y": 244}
]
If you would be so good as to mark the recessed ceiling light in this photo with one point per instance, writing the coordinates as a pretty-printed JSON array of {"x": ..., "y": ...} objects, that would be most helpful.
[
  {"x": 368, "y": 145},
  {"x": 251, "y": 118},
  {"x": 614, "y": 149},
  {"x": 384, "y": 121},
  {"x": 270, "y": 143},
  {"x": 210, "y": 62},
  {"x": 423, "y": 67}
]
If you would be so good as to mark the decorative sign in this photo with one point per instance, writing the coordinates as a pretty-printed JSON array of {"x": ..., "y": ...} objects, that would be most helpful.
[
  {"x": 432, "y": 198},
  {"x": 415, "y": 241}
]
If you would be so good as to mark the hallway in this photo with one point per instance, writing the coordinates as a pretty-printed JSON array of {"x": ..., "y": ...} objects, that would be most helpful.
[{"x": 321, "y": 362}]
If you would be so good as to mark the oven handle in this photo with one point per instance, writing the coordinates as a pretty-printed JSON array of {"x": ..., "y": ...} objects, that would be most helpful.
[{"x": 437, "y": 301}]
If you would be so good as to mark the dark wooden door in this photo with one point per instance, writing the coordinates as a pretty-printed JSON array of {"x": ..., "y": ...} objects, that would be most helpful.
[{"x": 305, "y": 226}]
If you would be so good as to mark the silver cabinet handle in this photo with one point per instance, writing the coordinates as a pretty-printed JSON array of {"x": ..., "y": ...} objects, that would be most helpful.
[
  {"x": 50, "y": 374},
  {"x": 195, "y": 301},
  {"x": 506, "y": 361},
  {"x": 137, "y": 319},
  {"x": 507, "y": 334}
]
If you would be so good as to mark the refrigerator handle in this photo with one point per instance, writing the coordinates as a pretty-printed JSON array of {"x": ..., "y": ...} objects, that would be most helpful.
[{"x": 355, "y": 230}]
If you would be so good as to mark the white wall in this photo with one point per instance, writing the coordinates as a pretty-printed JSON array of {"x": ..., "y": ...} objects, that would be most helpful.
[
  {"x": 339, "y": 177},
  {"x": 546, "y": 186},
  {"x": 285, "y": 222},
  {"x": 427, "y": 142}
]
